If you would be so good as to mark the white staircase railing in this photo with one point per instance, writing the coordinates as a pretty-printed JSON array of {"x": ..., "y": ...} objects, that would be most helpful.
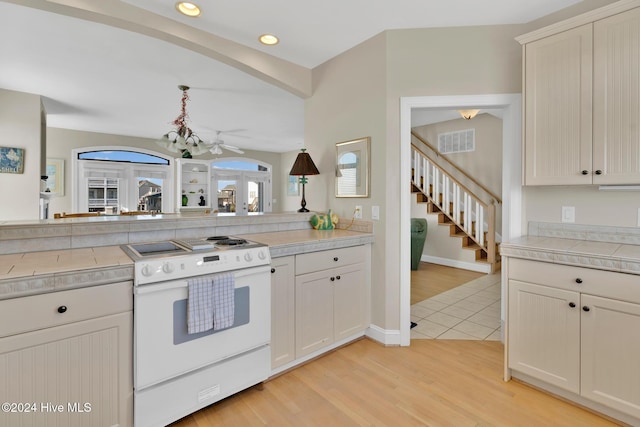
[{"x": 477, "y": 218}]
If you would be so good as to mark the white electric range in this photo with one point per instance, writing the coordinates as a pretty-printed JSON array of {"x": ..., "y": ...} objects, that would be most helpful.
[{"x": 177, "y": 373}]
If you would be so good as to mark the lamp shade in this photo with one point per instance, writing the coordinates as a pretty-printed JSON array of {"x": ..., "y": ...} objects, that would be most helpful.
[{"x": 304, "y": 165}]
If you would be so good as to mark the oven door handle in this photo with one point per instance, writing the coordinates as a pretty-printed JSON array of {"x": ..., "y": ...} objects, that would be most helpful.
[{"x": 182, "y": 283}]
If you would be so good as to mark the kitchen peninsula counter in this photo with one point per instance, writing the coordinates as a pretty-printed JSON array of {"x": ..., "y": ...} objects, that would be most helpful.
[
  {"x": 50, "y": 271},
  {"x": 32, "y": 272},
  {"x": 296, "y": 242}
]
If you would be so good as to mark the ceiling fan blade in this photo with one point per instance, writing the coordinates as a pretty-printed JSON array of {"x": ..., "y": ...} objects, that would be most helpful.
[{"x": 232, "y": 148}]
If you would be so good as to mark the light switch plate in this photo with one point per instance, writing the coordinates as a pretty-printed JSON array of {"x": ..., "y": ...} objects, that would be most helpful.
[
  {"x": 568, "y": 214},
  {"x": 375, "y": 212}
]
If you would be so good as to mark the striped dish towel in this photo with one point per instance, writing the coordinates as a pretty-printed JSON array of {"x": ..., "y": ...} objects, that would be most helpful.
[
  {"x": 224, "y": 290},
  {"x": 200, "y": 304}
]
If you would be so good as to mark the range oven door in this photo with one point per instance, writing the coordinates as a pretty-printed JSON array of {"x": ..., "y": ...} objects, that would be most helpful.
[{"x": 163, "y": 349}]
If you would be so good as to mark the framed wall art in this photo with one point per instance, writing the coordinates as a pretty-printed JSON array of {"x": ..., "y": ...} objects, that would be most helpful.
[
  {"x": 293, "y": 187},
  {"x": 55, "y": 174},
  {"x": 11, "y": 160}
]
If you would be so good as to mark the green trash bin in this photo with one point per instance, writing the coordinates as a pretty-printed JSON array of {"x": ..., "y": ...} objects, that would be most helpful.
[{"x": 418, "y": 237}]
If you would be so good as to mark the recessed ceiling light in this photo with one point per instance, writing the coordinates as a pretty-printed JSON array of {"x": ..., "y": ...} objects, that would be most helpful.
[
  {"x": 188, "y": 9},
  {"x": 268, "y": 39}
]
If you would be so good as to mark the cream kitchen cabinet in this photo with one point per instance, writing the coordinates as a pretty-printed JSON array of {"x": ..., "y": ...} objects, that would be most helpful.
[
  {"x": 544, "y": 333},
  {"x": 331, "y": 297},
  {"x": 581, "y": 103},
  {"x": 576, "y": 329},
  {"x": 193, "y": 184},
  {"x": 282, "y": 311},
  {"x": 66, "y": 358}
]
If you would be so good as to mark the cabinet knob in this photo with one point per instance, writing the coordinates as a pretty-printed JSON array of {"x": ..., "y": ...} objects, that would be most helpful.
[
  {"x": 585, "y": 172},
  {"x": 273, "y": 270},
  {"x": 572, "y": 304},
  {"x": 338, "y": 277},
  {"x": 62, "y": 309},
  {"x": 586, "y": 308},
  {"x": 335, "y": 258},
  {"x": 598, "y": 172},
  {"x": 332, "y": 279},
  {"x": 578, "y": 280}
]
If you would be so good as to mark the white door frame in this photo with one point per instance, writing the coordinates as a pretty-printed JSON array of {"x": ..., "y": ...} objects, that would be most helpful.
[{"x": 511, "y": 177}]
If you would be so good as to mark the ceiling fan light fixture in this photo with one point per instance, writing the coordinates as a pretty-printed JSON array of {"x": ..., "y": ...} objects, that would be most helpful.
[
  {"x": 268, "y": 39},
  {"x": 188, "y": 9},
  {"x": 468, "y": 114}
]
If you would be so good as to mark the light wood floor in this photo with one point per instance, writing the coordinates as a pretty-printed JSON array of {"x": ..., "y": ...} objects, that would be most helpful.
[
  {"x": 430, "y": 383},
  {"x": 431, "y": 279}
]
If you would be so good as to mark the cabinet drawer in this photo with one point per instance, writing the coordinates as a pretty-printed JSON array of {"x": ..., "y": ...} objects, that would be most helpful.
[
  {"x": 58, "y": 308},
  {"x": 323, "y": 260},
  {"x": 609, "y": 284}
]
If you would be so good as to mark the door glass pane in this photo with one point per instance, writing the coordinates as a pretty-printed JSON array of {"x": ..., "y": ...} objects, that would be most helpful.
[
  {"x": 255, "y": 197},
  {"x": 227, "y": 192},
  {"x": 149, "y": 194},
  {"x": 103, "y": 195}
]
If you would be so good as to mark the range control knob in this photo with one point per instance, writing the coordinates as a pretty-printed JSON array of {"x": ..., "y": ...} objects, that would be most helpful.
[
  {"x": 248, "y": 257},
  {"x": 146, "y": 271},
  {"x": 262, "y": 255},
  {"x": 167, "y": 267}
]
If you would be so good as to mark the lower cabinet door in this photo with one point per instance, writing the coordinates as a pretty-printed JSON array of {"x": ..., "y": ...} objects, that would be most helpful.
[
  {"x": 79, "y": 374},
  {"x": 314, "y": 312},
  {"x": 350, "y": 301},
  {"x": 282, "y": 311},
  {"x": 544, "y": 333},
  {"x": 611, "y": 353}
]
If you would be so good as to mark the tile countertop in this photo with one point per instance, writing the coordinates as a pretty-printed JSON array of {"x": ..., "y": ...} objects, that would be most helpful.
[
  {"x": 283, "y": 243},
  {"x": 46, "y": 271},
  {"x": 610, "y": 256},
  {"x": 32, "y": 273}
]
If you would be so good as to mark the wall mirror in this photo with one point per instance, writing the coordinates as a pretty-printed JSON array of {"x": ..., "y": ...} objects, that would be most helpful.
[{"x": 352, "y": 168}]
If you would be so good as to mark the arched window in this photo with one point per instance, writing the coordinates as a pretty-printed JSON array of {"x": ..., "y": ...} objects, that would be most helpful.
[
  {"x": 115, "y": 179},
  {"x": 243, "y": 185}
]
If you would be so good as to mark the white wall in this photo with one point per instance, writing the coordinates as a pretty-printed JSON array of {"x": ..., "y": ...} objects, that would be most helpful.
[
  {"x": 20, "y": 121},
  {"x": 349, "y": 102}
]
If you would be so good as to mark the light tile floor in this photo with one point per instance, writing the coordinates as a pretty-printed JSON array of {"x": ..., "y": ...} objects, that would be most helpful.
[{"x": 468, "y": 312}]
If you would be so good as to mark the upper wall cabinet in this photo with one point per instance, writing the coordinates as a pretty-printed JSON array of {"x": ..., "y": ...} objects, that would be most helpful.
[
  {"x": 616, "y": 98},
  {"x": 582, "y": 99}
]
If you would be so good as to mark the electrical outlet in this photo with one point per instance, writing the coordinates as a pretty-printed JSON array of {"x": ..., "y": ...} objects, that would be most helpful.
[
  {"x": 568, "y": 214},
  {"x": 358, "y": 213}
]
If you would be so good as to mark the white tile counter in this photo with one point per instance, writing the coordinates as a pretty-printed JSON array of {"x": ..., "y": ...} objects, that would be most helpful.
[
  {"x": 30, "y": 273},
  {"x": 48, "y": 271},
  {"x": 603, "y": 248},
  {"x": 295, "y": 242}
]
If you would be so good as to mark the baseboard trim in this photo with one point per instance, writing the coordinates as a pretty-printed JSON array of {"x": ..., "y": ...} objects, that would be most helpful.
[
  {"x": 473, "y": 266},
  {"x": 384, "y": 336}
]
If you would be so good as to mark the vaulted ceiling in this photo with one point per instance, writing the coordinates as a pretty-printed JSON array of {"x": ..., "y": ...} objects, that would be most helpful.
[{"x": 114, "y": 66}]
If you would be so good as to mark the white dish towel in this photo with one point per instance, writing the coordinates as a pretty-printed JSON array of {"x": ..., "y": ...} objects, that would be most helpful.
[
  {"x": 210, "y": 303},
  {"x": 224, "y": 290}
]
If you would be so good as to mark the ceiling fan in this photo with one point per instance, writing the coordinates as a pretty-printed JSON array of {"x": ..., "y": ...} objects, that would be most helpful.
[{"x": 217, "y": 145}]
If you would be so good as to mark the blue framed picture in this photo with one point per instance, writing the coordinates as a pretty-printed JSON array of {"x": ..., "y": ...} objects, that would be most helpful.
[
  {"x": 293, "y": 187},
  {"x": 11, "y": 160}
]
